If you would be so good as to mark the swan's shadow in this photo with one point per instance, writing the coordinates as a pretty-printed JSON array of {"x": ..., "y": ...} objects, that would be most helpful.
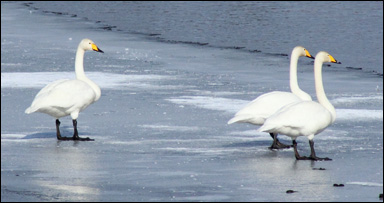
[
  {"x": 52, "y": 134},
  {"x": 40, "y": 135},
  {"x": 250, "y": 144}
]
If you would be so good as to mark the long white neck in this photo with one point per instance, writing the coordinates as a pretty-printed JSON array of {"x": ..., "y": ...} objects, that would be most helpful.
[
  {"x": 80, "y": 75},
  {"x": 320, "y": 93},
  {"x": 295, "y": 89}
]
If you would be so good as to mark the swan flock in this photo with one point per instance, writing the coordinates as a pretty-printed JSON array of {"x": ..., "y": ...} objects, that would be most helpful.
[
  {"x": 292, "y": 113},
  {"x": 258, "y": 110},
  {"x": 305, "y": 118}
]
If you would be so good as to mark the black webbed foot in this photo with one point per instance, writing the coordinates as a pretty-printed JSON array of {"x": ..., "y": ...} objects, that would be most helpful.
[
  {"x": 320, "y": 159},
  {"x": 277, "y": 144},
  {"x": 75, "y": 139},
  {"x": 75, "y": 134}
]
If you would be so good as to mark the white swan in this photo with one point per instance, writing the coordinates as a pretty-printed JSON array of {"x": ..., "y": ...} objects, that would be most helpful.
[
  {"x": 68, "y": 97},
  {"x": 305, "y": 118},
  {"x": 266, "y": 104}
]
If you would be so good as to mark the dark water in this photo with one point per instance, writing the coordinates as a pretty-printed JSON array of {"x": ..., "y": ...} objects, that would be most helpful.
[{"x": 352, "y": 31}]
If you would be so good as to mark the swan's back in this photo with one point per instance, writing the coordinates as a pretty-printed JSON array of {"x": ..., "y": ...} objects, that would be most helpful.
[
  {"x": 63, "y": 97},
  {"x": 264, "y": 106}
]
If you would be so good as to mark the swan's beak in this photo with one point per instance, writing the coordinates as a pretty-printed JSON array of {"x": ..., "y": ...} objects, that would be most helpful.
[
  {"x": 307, "y": 54},
  {"x": 333, "y": 60},
  {"x": 95, "y": 48}
]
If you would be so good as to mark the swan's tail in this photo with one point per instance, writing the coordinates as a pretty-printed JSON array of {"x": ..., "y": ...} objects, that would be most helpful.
[
  {"x": 265, "y": 128},
  {"x": 29, "y": 110},
  {"x": 261, "y": 129},
  {"x": 233, "y": 120},
  {"x": 246, "y": 118},
  {"x": 237, "y": 119}
]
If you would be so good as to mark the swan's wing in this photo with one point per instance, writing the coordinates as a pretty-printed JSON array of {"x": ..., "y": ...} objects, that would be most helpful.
[
  {"x": 263, "y": 106},
  {"x": 42, "y": 94},
  {"x": 50, "y": 86},
  {"x": 63, "y": 95}
]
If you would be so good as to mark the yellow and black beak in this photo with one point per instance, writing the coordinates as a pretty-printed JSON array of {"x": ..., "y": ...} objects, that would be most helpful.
[
  {"x": 95, "y": 48},
  {"x": 333, "y": 60},
  {"x": 307, "y": 54}
]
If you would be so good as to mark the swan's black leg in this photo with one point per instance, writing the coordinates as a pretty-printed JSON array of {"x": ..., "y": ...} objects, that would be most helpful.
[
  {"x": 276, "y": 143},
  {"x": 76, "y": 134},
  {"x": 57, "y": 129},
  {"x": 298, "y": 157},
  {"x": 313, "y": 153},
  {"x": 58, "y": 134}
]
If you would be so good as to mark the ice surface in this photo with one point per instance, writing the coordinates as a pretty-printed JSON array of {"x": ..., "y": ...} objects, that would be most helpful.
[
  {"x": 366, "y": 184},
  {"x": 234, "y": 105},
  {"x": 160, "y": 125},
  {"x": 104, "y": 80}
]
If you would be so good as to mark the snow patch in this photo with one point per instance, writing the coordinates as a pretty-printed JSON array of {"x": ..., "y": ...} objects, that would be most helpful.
[
  {"x": 234, "y": 105},
  {"x": 104, "y": 80},
  {"x": 366, "y": 184}
]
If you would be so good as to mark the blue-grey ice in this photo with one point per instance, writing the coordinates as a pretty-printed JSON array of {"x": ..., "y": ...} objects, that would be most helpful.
[{"x": 160, "y": 125}]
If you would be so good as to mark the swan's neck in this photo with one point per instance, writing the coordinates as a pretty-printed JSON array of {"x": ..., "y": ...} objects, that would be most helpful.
[
  {"x": 320, "y": 93},
  {"x": 79, "y": 68},
  {"x": 295, "y": 89},
  {"x": 80, "y": 75}
]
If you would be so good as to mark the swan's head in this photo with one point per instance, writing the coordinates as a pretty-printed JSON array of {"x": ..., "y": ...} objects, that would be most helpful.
[
  {"x": 301, "y": 51},
  {"x": 87, "y": 45},
  {"x": 325, "y": 57}
]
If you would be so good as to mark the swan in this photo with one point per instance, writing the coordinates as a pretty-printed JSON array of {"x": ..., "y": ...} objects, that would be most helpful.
[
  {"x": 266, "y": 104},
  {"x": 68, "y": 97},
  {"x": 305, "y": 118}
]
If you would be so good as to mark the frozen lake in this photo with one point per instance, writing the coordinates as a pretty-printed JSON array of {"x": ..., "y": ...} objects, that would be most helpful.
[{"x": 160, "y": 125}]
